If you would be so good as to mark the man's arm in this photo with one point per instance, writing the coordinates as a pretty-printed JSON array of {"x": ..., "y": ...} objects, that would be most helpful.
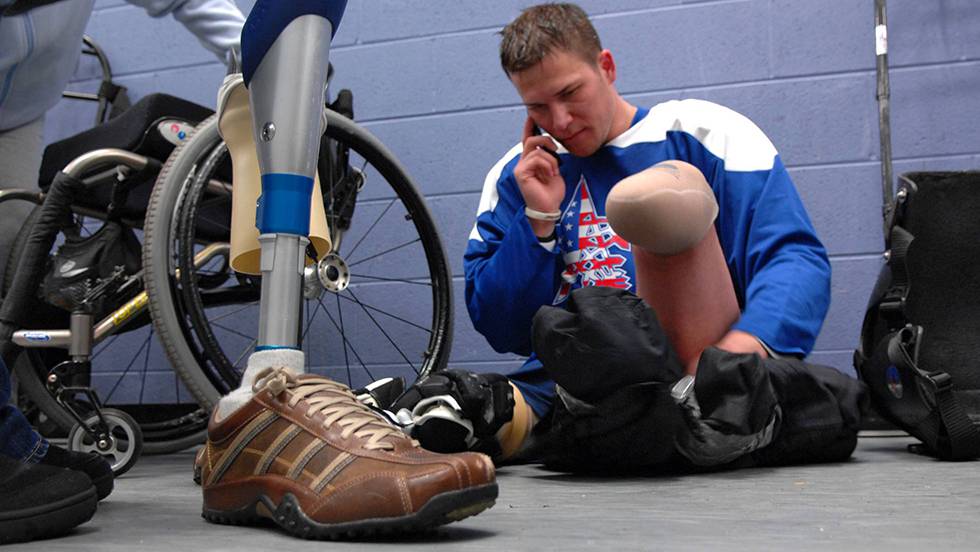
[
  {"x": 784, "y": 269},
  {"x": 509, "y": 274},
  {"x": 779, "y": 268},
  {"x": 217, "y": 24}
]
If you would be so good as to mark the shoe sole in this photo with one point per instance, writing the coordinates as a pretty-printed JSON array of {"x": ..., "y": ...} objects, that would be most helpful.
[
  {"x": 289, "y": 515},
  {"x": 104, "y": 485},
  {"x": 49, "y": 520}
]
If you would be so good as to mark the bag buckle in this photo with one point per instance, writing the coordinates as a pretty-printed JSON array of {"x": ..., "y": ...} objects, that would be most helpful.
[
  {"x": 892, "y": 305},
  {"x": 940, "y": 381},
  {"x": 910, "y": 337}
]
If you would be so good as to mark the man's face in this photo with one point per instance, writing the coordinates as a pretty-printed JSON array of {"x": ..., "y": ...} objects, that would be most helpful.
[{"x": 570, "y": 98}]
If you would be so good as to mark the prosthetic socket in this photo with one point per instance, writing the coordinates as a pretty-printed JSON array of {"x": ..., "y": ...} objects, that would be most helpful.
[{"x": 235, "y": 126}]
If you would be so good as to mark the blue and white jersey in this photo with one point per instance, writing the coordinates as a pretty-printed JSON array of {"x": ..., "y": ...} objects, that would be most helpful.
[{"x": 779, "y": 268}]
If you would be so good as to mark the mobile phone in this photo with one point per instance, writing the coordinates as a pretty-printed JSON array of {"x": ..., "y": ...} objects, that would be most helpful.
[{"x": 536, "y": 131}]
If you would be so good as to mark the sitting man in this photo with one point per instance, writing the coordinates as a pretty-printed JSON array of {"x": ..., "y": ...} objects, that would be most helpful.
[{"x": 687, "y": 204}]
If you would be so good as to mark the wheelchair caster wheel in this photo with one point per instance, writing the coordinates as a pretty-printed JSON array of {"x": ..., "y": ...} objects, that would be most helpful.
[{"x": 121, "y": 446}]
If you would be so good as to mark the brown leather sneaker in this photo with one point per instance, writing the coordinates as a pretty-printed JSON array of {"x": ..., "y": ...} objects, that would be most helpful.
[
  {"x": 199, "y": 464},
  {"x": 307, "y": 455}
]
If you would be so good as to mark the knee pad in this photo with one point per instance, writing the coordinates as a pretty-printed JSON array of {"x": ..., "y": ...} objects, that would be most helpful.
[{"x": 665, "y": 209}]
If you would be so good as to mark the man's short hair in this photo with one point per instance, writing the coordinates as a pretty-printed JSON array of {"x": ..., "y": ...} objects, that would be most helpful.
[{"x": 541, "y": 29}]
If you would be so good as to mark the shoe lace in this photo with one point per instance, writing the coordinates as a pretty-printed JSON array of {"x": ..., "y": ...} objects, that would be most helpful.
[{"x": 336, "y": 402}]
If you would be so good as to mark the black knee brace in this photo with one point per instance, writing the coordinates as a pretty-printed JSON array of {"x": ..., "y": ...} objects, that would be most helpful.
[{"x": 486, "y": 400}]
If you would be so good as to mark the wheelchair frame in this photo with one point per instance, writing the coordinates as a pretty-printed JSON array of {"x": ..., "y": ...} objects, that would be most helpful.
[{"x": 84, "y": 332}]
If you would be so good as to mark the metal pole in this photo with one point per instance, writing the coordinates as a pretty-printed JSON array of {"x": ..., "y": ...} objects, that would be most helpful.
[{"x": 884, "y": 122}]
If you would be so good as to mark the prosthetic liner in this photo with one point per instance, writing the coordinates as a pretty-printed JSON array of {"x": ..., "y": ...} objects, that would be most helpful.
[{"x": 667, "y": 212}]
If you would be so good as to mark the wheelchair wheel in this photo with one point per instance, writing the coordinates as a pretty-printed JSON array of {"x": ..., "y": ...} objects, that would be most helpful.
[
  {"x": 125, "y": 443},
  {"x": 130, "y": 372},
  {"x": 382, "y": 307}
]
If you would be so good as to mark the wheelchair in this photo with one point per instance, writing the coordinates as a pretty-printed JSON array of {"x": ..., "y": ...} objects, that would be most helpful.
[
  {"x": 102, "y": 336},
  {"x": 160, "y": 340}
]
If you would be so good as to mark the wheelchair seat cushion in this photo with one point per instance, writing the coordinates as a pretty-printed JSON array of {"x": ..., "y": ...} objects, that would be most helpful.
[{"x": 127, "y": 131}]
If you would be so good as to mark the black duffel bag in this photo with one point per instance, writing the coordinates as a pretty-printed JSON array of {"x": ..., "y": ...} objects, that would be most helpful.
[
  {"x": 616, "y": 375},
  {"x": 920, "y": 341}
]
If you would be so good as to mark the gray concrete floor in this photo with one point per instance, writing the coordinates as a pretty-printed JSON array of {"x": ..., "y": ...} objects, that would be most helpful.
[{"x": 884, "y": 499}]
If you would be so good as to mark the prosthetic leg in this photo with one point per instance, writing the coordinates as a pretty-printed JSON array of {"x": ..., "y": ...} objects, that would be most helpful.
[
  {"x": 667, "y": 212},
  {"x": 287, "y": 120}
]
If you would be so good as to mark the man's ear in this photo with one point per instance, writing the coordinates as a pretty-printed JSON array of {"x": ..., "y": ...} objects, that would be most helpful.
[{"x": 607, "y": 65}]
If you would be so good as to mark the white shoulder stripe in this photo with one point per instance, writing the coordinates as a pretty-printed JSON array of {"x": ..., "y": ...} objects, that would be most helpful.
[
  {"x": 489, "y": 197},
  {"x": 727, "y": 134}
]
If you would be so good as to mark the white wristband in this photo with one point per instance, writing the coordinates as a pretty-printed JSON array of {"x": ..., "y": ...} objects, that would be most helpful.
[{"x": 540, "y": 215}]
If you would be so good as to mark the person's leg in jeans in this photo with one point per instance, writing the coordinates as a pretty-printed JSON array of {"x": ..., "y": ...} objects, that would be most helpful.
[
  {"x": 17, "y": 439},
  {"x": 20, "y": 157},
  {"x": 40, "y": 500}
]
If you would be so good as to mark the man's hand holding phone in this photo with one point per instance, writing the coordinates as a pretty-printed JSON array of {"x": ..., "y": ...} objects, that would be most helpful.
[{"x": 541, "y": 183}]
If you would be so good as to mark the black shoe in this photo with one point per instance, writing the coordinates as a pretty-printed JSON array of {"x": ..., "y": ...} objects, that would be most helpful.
[
  {"x": 42, "y": 501},
  {"x": 93, "y": 465}
]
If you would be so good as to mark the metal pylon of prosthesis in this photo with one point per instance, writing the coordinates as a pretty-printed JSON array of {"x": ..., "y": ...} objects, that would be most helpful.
[{"x": 287, "y": 96}]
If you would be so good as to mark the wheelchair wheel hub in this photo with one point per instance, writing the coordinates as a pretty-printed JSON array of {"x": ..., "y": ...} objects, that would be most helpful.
[{"x": 332, "y": 273}]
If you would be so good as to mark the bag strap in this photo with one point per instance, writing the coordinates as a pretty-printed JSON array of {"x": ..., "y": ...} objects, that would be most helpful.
[
  {"x": 892, "y": 304},
  {"x": 947, "y": 431}
]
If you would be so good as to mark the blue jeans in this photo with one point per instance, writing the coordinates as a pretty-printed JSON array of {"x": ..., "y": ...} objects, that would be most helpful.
[{"x": 17, "y": 439}]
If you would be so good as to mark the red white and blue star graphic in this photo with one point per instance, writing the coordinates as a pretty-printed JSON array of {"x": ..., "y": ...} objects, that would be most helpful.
[{"x": 588, "y": 243}]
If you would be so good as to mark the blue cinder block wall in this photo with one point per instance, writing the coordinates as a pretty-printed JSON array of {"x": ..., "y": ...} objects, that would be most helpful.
[{"x": 427, "y": 82}]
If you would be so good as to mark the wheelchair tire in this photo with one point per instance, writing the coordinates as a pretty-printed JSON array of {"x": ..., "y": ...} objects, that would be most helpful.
[
  {"x": 205, "y": 306},
  {"x": 126, "y": 440}
]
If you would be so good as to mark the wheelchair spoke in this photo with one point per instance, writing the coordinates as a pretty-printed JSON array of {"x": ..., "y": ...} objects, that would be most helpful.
[
  {"x": 310, "y": 318},
  {"x": 214, "y": 201},
  {"x": 397, "y": 280},
  {"x": 347, "y": 343},
  {"x": 230, "y": 330},
  {"x": 385, "y": 252},
  {"x": 146, "y": 343},
  {"x": 383, "y": 332},
  {"x": 340, "y": 315},
  {"x": 214, "y": 222},
  {"x": 104, "y": 346},
  {"x": 234, "y": 312},
  {"x": 370, "y": 228},
  {"x": 146, "y": 364},
  {"x": 248, "y": 348},
  {"x": 386, "y": 313}
]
